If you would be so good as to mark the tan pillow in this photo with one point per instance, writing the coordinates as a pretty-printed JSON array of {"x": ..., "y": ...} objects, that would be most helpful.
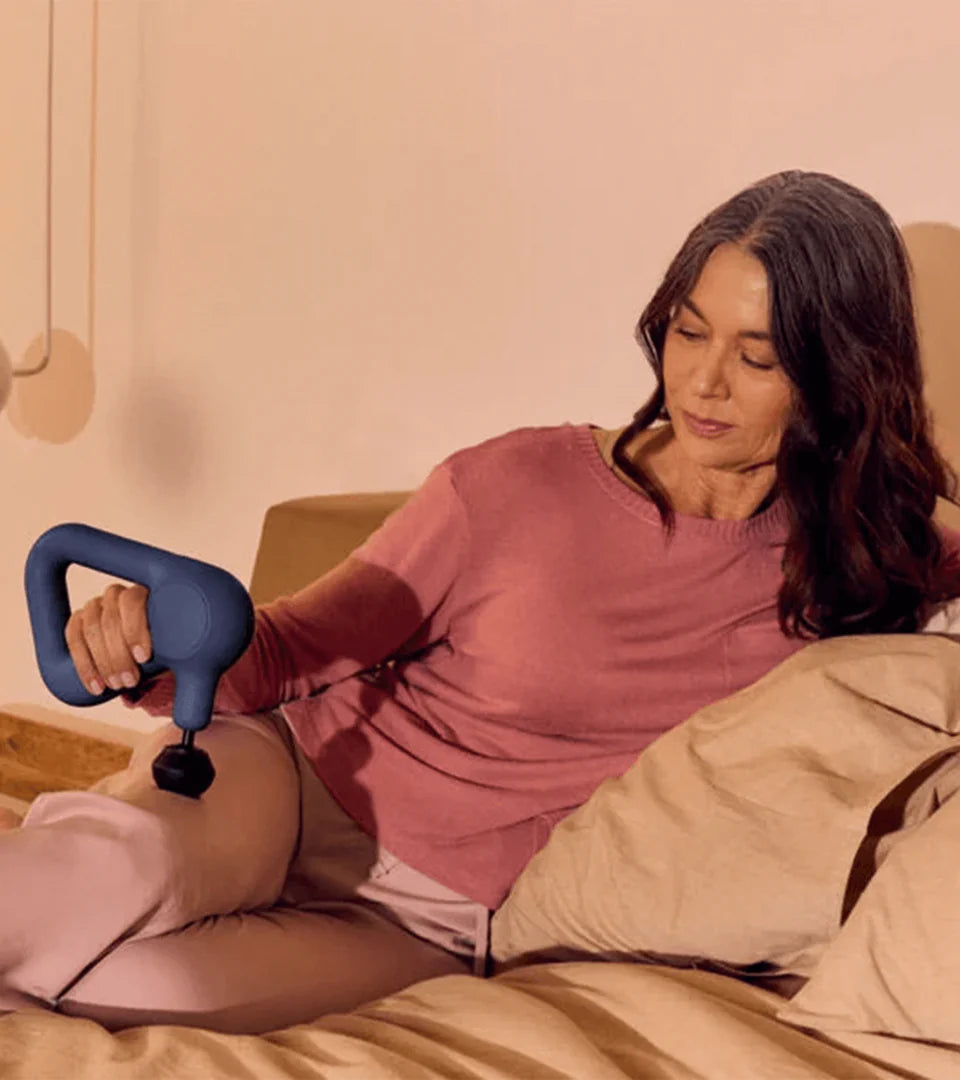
[
  {"x": 894, "y": 968},
  {"x": 739, "y": 835}
]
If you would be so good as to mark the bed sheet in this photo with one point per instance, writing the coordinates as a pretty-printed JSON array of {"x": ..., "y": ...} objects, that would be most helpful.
[{"x": 596, "y": 1020}]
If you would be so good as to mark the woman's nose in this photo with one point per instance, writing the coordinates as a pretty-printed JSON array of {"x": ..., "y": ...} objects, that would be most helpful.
[{"x": 708, "y": 379}]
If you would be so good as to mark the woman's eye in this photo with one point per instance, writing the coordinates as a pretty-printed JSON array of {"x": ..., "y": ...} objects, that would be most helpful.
[
  {"x": 756, "y": 363},
  {"x": 695, "y": 335}
]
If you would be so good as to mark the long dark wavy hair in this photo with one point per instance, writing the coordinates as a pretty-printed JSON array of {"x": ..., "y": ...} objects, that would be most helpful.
[{"x": 857, "y": 469}]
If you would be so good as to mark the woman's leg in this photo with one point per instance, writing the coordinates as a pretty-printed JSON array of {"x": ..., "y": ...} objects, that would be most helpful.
[
  {"x": 338, "y": 936},
  {"x": 125, "y": 861},
  {"x": 257, "y": 972}
]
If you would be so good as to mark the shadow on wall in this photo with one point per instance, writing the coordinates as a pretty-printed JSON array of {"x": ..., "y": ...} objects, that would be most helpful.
[
  {"x": 934, "y": 249},
  {"x": 160, "y": 434}
]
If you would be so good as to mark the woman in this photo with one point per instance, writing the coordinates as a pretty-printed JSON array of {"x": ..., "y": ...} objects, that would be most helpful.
[{"x": 402, "y": 734}]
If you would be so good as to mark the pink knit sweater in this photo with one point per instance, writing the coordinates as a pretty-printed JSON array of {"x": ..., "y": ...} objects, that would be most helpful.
[{"x": 541, "y": 631}]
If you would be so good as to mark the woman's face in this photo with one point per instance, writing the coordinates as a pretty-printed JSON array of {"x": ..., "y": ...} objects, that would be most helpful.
[{"x": 727, "y": 395}]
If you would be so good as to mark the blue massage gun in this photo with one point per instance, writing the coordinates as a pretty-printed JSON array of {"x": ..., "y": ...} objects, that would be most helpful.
[{"x": 200, "y": 619}]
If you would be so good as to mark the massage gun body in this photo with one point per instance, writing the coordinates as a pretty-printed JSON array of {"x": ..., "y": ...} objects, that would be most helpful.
[{"x": 201, "y": 620}]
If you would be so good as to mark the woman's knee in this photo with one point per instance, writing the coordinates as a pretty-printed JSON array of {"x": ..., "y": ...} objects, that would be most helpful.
[{"x": 96, "y": 871}]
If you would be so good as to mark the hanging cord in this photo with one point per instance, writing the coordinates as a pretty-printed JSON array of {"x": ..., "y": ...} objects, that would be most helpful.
[{"x": 48, "y": 270}]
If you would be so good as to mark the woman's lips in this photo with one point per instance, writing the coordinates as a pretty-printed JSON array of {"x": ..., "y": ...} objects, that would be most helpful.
[{"x": 706, "y": 429}]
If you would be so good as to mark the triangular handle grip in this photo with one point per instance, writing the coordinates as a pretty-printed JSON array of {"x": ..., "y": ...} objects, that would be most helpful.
[{"x": 201, "y": 617}]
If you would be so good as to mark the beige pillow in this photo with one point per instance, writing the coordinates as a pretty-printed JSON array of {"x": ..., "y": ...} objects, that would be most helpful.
[
  {"x": 740, "y": 835},
  {"x": 894, "y": 968}
]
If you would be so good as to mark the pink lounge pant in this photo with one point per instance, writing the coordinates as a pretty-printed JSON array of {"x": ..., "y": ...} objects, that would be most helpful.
[{"x": 259, "y": 906}]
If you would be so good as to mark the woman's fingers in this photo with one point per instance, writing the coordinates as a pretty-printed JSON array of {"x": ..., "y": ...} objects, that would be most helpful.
[
  {"x": 132, "y": 607},
  {"x": 107, "y": 637},
  {"x": 81, "y": 655},
  {"x": 122, "y": 669}
]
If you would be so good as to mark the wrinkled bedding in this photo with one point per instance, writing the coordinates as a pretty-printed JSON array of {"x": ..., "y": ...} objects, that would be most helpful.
[{"x": 591, "y": 1021}]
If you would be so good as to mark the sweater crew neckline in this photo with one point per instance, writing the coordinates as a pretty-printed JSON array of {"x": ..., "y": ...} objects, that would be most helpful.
[{"x": 764, "y": 528}]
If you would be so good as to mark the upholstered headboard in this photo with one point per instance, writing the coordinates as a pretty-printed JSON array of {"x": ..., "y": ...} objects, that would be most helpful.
[{"x": 303, "y": 538}]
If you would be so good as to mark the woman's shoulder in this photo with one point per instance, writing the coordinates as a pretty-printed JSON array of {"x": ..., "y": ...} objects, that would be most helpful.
[{"x": 537, "y": 448}]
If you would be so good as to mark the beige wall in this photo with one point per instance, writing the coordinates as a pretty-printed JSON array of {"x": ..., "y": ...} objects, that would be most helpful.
[{"x": 319, "y": 244}]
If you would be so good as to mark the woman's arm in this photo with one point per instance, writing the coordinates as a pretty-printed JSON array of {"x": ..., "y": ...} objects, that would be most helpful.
[{"x": 360, "y": 614}]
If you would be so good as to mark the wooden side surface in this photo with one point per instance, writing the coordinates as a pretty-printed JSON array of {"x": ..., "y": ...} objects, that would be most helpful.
[{"x": 39, "y": 757}]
